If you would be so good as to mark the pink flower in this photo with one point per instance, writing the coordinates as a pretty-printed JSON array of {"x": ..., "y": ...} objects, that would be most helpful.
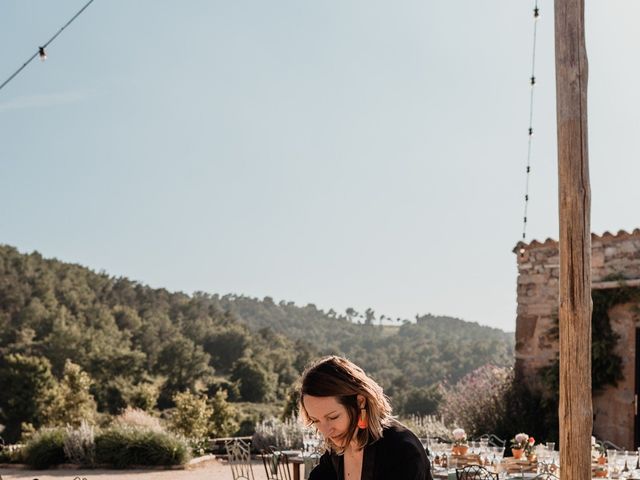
[
  {"x": 522, "y": 438},
  {"x": 459, "y": 434}
]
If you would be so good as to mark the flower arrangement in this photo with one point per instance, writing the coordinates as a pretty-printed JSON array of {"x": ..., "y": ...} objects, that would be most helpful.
[
  {"x": 459, "y": 437},
  {"x": 528, "y": 448},
  {"x": 522, "y": 444},
  {"x": 459, "y": 442},
  {"x": 520, "y": 441}
]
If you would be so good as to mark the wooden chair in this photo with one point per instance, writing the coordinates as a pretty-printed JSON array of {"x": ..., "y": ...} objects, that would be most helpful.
[
  {"x": 276, "y": 464},
  {"x": 239, "y": 455},
  {"x": 475, "y": 472}
]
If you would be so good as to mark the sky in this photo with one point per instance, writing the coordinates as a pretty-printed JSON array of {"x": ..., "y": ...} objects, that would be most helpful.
[{"x": 344, "y": 153}]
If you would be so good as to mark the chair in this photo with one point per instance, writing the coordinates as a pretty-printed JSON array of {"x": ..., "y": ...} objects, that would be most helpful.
[
  {"x": 611, "y": 446},
  {"x": 475, "y": 472},
  {"x": 239, "y": 456},
  {"x": 276, "y": 464}
]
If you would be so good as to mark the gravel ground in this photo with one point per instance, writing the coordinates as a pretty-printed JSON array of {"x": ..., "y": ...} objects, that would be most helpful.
[{"x": 210, "y": 470}]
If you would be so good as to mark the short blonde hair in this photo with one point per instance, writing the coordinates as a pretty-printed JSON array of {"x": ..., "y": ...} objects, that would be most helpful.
[{"x": 338, "y": 377}]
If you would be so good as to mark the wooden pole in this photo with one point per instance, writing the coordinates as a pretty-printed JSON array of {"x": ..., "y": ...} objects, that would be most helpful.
[{"x": 576, "y": 414}]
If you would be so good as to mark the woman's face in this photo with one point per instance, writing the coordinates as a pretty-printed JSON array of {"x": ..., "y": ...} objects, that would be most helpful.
[{"x": 329, "y": 416}]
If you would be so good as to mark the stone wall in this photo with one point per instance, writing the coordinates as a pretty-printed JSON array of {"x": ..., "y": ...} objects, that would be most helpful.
[{"x": 614, "y": 257}]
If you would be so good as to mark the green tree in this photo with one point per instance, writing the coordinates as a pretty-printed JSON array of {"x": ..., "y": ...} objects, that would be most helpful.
[
  {"x": 71, "y": 402},
  {"x": 191, "y": 415},
  {"x": 226, "y": 346},
  {"x": 422, "y": 400},
  {"x": 256, "y": 384},
  {"x": 26, "y": 381},
  {"x": 184, "y": 364},
  {"x": 223, "y": 420}
]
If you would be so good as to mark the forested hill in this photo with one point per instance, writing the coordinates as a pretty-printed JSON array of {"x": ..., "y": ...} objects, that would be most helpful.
[{"x": 130, "y": 337}]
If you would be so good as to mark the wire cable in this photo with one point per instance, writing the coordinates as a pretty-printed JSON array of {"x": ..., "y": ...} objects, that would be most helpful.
[
  {"x": 42, "y": 48},
  {"x": 532, "y": 82}
]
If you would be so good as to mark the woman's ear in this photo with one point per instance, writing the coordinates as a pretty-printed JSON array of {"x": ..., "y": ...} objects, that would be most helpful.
[{"x": 362, "y": 402}]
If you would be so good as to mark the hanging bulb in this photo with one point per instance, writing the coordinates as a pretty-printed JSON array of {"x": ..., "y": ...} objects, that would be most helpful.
[
  {"x": 42, "y": 53},
  {"x": 522, "y": 251}
]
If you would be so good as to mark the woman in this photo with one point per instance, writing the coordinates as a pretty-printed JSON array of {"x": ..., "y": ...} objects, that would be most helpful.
[{"x": 353, "y": 414}]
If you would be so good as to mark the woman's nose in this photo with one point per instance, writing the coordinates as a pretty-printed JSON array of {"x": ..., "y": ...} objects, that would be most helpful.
[{"x": 322, "y": 429}]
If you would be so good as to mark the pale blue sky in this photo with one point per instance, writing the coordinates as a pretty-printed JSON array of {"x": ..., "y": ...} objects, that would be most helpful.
[{"x": 343, "y": 153}]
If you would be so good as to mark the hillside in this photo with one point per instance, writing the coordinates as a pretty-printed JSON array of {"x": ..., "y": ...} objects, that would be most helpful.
[{"x": 130, "y": 337}]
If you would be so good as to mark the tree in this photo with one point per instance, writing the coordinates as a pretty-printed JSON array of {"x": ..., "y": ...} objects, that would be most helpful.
[
  {"x": 223, "y": 420},
  {"x": 71, "y": 402},
  {"x": 26, "y": 381},
  {"x": 226, "y": 346},
  {"x": 256, "y": 385},
  {"x": 422, "y": 400},
  {"x": 191, "y": 415},
  {"x": 184, "y": 364}
]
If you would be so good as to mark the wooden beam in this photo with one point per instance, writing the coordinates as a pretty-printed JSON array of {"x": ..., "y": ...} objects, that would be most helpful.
[{"x": 575, "y": 411}]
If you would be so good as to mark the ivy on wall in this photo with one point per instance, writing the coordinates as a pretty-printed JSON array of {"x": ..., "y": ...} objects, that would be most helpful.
[{"x": 606, "y": 364}]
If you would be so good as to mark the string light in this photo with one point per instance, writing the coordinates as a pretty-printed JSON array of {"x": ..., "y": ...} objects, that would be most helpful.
[
  {"x": 41, "y": 52},
  {"x": 532, "y": 83}
]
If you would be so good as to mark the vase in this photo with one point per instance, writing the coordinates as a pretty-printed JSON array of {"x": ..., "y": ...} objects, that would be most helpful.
[
  {"x": 459, "y": 449},
  {"x": 517, "y": 453},
  {"x": 532, "y": 457}
]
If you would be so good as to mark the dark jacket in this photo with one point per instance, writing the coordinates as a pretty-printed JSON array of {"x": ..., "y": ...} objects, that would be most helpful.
[{"x": 398, "y": 455}]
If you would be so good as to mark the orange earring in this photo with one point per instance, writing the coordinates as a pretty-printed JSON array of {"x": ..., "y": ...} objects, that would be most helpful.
[{"x": 362, "y": 421}]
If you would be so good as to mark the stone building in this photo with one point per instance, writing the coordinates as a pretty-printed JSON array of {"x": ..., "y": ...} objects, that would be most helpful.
[{"x": 615, "y": 264}]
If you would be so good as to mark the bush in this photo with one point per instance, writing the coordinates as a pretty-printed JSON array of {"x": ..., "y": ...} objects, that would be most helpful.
[
  {"x": 477, "y": 402},
  {"x": 79, "y": 445},
  {"x": 191, "y": 415},
  {"x": 45, "y": 448},
  {"x": 249, "y": 415},
  {"x": 124, "y": 447},
  {"x": 137, "y": 418},
  {"x": 427, "y": 426},
  {"x": 11, "y": 454},
  {"x": 223, "y": 421},
  {"x": 276, "y": 433}
]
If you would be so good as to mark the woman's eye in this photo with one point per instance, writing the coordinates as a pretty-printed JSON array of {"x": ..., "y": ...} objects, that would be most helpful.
[{"x": 334, "y": 418}]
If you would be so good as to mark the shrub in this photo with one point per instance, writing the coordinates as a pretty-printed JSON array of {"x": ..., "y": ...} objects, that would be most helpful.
[
  {"x": 123, "y": 447},
  {"x": 191, "y": 415},
  {"x": 79, "y": 445},
  {"x": 249, "y": 415},
  {"x": 223, "y": 421},
  {"x": 276, "y": 433},
  {"x": 477, "y": 402},
  {"x": 427, "y": 426},
  {"x": 45, "y": 448},
  {"x": 11, "y": 454},
  {"x": 71, "y": 401},
  {"x": 137, "y": 418}
]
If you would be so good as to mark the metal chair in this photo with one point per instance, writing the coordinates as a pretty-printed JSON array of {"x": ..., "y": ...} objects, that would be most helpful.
[
  {"x": 611, "y": 446},
  {"x": 239, "y": 456},
  {"x": 276, "y": 464},
  {"x": 475, "y": 472}
]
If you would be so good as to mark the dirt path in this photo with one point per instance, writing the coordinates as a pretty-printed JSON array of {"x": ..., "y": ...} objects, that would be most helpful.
[{"x": 212, "y": 470}]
